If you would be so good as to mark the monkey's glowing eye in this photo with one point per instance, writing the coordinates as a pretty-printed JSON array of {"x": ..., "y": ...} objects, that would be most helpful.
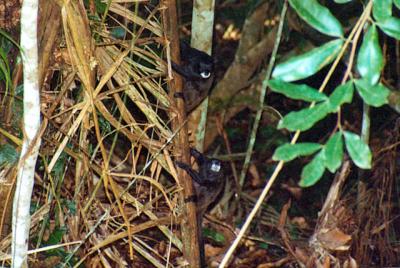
[
  {"x": 205, "y": 74},
  {"x": 215, "y": 166}
]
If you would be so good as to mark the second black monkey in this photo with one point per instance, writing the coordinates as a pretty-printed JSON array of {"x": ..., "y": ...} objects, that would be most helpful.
[
  {"x": 197, "y": 70},
  {"x": 208, "y": 182}
]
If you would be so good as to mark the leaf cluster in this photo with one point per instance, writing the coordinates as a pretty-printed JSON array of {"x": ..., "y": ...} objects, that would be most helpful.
[{"x": 365, "y": 80}]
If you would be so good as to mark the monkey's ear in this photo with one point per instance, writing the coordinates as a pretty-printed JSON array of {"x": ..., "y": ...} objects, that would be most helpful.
[{"x": 185, "y": 49}]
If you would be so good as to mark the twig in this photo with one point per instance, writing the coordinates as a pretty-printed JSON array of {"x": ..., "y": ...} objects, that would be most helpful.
[{"x": 252, "y": 141}]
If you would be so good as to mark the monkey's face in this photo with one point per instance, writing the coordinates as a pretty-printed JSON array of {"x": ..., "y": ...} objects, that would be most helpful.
[
  {"x": 199, "y": 65},
  {"x": 214, "y": 171},
  {"x": 205, "y": 69},
  {"x": 201, "y": 69},
  {"x": 215, "y": 165}
]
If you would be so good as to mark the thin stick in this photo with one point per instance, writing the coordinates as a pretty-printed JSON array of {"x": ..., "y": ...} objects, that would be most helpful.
[{"x": 252, "y": 141}]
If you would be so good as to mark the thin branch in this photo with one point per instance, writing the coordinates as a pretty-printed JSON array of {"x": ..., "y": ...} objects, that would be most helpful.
[
  {"x": 30, "y": 147},
  {"x": 253, "y": 138}
]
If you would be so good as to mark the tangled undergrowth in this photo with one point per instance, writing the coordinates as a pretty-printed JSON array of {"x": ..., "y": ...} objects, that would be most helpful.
[{"x": 106, "y": 190}]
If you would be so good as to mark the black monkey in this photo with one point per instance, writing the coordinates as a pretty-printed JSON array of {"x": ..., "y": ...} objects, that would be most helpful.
[
  {"x": 208, "y": 183},
  {"x": 197, "y": 69}
]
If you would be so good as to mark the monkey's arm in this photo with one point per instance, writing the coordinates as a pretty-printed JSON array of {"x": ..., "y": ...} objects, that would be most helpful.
[
  {"x": 195, "y": 175},
  {"x": 198, "y": 156}
]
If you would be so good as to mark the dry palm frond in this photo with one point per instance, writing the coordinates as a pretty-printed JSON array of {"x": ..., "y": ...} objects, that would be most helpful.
[{"x": 108, "y": 135}]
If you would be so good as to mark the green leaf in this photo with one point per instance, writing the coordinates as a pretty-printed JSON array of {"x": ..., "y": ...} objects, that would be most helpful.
[
  {"x": 304, "y": 119},
  {"x": 19, "y": 90},
  {"x": 397, "y": 3},
  {"x": 376, "y": 95},
  {"x": 334, "y": 152},
  {"x": 5, "y": 70},
  {"x": 214, "y": 235},
  {"x": 369, "y": 59},
  {"x": 358, "y": 150},
  {"x": 342, "y": 94},
  {"x": 118, "y": 32},
  {"x": 59, "y": 167},
  {"x": 287, "y": 152},
  {"x": 56, "y": 236},
  {"x": 391, "y": 27},
  {"x": 382, "y": 9},
  {"x": 307, "y": 64},
  {"x": 318, "y": 16},
  {"x": 71, "y": 205},
  {"x": 8, "y": 155},
  {"x": 6, "y": 35},
  {"x": 296, "y": 92},
  {"x": 313, "y": 171},
  {"x": 263, "y": 245}
]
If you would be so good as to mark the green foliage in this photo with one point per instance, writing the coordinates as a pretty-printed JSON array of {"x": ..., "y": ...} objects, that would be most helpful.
[
  {"x": 214, "y": 235},
  {"x": 6, "y": 43},
  {"x": 370, "y": 59},
  {"x": 289, "y": 152},
  {"x": 5, "y": 36},
  {"x": 56, "y": 236},
  {"x": 313, "y": 171},
  {"x": 304, "y": 119},
  {"x": 369, "y": 64},
  {"x": 317, "y": 16},
  {"x": 59, "y": 167},
  {"x": 376, "y": 95},
  {"x": 34, "y": 207},
  {"x": 382, "y": 9},
  {"x": 105, "y": 125},
  {"x": 70, "y": 205},
  {"x": 309, "y": 63},
  {"x": 118, "y": 32},
  {"x": 358, "y": 150},
  {"x": 297, "y": 92},
  {"x": 382, "y": 12},
  {"x": 334, "y": 152},
  {"x": 263, "y": 245},
  {"x": 19, "y": 91},
  {"x": 341, "y": 95},
  {"x": 390, "y": 26},
  {"x": 8, "y": 155},
  {"x": 5, "y": 72}
]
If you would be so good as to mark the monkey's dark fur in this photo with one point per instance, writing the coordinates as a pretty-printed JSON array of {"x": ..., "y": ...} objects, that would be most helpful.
[
  {"x": 197, "y": 69},
  {"x": 208, "y": 183}
]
